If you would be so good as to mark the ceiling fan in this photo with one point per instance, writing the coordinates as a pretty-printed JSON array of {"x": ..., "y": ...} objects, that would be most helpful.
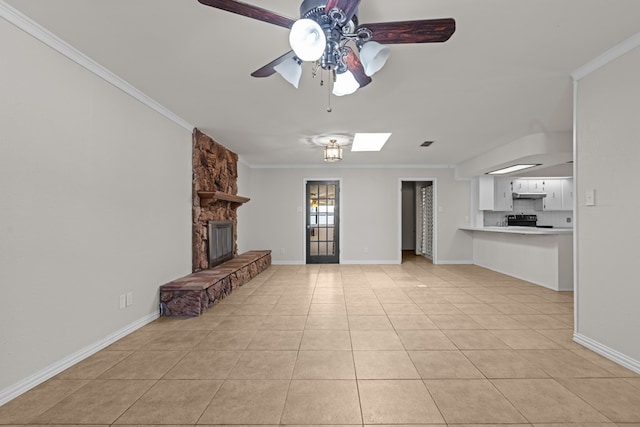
[{"x": 329, "y": 34}]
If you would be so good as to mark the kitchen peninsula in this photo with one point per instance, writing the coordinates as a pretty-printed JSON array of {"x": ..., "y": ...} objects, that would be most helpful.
[{"x": 543, "y": 256}]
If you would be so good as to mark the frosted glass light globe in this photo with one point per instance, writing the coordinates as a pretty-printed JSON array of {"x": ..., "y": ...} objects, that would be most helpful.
[{"x": 307, "y": 39}]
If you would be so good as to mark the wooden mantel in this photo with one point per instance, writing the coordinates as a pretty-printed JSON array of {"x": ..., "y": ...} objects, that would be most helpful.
[{"x": 209, "y": 197}]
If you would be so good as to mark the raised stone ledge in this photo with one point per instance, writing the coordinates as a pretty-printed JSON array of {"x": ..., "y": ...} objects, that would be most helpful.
[{"x": 192, "y": 295}]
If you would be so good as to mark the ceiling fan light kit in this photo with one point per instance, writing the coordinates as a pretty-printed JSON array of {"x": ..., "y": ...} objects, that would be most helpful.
[
  {"x": 307, "y": 40},
  {"x": 345, "y": 84},
  {"x": 373, "y": 56},
  {"x": 324, "y": 32},
  {"x": 290, "y": 70}
]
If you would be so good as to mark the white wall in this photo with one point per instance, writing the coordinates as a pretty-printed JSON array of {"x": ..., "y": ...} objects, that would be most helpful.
[
  {"x": 370, "y": 213},
  {"x": 244, "y": 227},
  {"x": 95, "y": 194},
  {"x": 607, "y": 150}
]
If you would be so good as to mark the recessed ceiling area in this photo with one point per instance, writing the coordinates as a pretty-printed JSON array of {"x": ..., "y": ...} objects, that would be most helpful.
[{"x": 503, "y": 75}]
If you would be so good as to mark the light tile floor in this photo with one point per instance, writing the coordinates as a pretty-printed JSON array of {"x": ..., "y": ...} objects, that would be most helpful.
[{"x": 411, "y": 344}]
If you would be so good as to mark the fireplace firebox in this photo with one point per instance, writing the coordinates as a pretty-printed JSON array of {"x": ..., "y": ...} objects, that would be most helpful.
[{"x": 221, "y": 243}]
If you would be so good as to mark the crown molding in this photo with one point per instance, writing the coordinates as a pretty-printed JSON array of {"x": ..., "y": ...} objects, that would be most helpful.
[
  {"x": 607, "y": 57},
  {"x": 348, "y": 166},
  {"x": 34, "y": 29}
]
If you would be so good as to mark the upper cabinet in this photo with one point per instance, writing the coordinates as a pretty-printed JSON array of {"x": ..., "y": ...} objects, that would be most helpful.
[
  {"x": 522, "y": 185},
  {"x": 553, "y": 188},
  {"x": 495, "y": 194},
  {"x": 567, "y": 194}
]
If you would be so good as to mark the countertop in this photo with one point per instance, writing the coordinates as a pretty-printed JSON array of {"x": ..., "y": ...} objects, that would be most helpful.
[{"x": 521, "y": 230}]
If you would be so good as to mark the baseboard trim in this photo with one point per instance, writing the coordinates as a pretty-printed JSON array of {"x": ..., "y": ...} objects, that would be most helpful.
[
  {"x": 50, "y": 371},
  {"x": 609, "y": 353},
  {"x": 370, "y": 262},
  {"x": 524, "y": 278},
  {"x": 453, "y": 262}
]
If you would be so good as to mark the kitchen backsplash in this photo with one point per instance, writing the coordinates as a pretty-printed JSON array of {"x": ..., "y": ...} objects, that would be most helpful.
[{"x": 525, "y": 206}]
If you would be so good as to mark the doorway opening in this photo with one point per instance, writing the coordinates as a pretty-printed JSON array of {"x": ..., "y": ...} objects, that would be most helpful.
[
  {"x": 323, "y": 222},
  {"x": 418, "y": 219}
]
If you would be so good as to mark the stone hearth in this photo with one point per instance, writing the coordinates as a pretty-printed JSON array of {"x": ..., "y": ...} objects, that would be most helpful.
[{"x": 192, "y": 295}]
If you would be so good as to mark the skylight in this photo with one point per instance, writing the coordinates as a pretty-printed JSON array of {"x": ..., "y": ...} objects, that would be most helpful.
[{"x": 369, "y": 141}]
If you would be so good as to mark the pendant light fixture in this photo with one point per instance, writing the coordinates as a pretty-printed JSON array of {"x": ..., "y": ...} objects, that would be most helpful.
[{"x": 332, "y": 152}]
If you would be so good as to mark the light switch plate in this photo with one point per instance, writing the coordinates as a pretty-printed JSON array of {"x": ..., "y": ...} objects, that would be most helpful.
[{"x": 590, "y": 198}]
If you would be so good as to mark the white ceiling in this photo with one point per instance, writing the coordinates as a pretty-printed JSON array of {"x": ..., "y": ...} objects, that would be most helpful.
[{"x": 504, "y": 74}]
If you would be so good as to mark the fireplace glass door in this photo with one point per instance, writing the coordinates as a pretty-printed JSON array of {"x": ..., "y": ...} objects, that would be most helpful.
[{"x": 323, "y": 222}]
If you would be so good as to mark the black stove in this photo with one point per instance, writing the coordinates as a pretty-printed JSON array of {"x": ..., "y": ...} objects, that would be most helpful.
[{"x": 521, "y": 220}]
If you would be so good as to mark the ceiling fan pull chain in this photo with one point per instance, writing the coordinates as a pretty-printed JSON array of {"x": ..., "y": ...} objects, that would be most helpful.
[{"x": 332, "y": 76}]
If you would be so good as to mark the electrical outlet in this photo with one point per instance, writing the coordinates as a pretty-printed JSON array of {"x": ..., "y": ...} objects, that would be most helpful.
[
  {"x": 282, "y": 251},
  {"x": 123, "y": 301},
  {"x": 366, "y": 250},
  {"x": 129, "y": 299}
]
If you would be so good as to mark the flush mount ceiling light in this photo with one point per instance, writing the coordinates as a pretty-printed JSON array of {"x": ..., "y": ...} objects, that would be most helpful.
[
  {"x": 514, "y": 168},
  {"x": 329, "y": 35},
  {"x": 369, "y": 141},
  {"x": 332, "y": 152}
]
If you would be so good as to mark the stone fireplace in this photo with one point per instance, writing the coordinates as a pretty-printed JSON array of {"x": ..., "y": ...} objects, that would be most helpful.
[
  {"x": 215, "y": 176},
  {"x": 217, "y": 268}
]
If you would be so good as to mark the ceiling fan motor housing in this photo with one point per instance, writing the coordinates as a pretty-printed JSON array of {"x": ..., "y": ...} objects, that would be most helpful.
[
  {"x": 310, "y": 8},
  {"x": 334, "y": 27}
]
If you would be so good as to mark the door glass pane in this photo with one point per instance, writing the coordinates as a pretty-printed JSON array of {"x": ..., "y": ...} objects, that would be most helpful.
[
  {"x": 322, "y": 234},
  {"x": 322, "y": 248}
]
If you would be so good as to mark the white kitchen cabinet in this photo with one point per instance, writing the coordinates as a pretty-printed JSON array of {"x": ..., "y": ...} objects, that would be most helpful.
[
  {"x": 495, "y": 194},
  {"x": 528, "y": 185},
  {"x": 536, "y": 186},
  {"x": 521, "y": 185},
  {"x": 567, "y": 194},
  {"x": 553, "y": 188}
]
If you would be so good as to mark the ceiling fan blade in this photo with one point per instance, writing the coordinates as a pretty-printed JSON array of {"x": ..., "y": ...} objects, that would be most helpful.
[
  {"x": 349, "y": 7},
  {"x": 355, "y": 66},
  {"x": 250, "y": 11},
  {"x": 268, "y": 69},
  {"x": 423, "y": 31}
]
